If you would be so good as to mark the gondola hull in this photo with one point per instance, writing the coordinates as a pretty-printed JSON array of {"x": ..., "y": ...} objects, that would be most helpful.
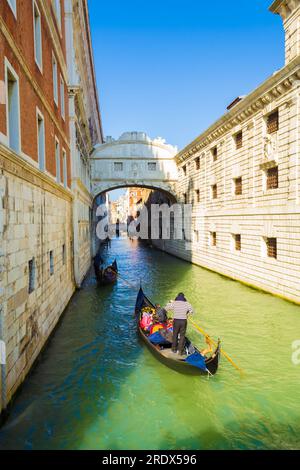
[
  {"x": 107, "y": 276},
  {"x": 180, "y": 365}
]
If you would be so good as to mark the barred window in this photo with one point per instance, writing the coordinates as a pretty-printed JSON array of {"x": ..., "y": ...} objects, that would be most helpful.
[
  {"x": 271, "y": 247},
  {"x": 214, "y": 152},
  {"x": 238, "y": 242},
  {"x": 239, "y": 140},
  {"x": 238, "y": 186},
  {"x": 214, "y": 191},
  {"x": 197, "y": 195},
  {"x": 118, "y": 166},
  {"x": 152, "y": 166},
  {"x": 31, "y": 273},
  {"x": 213, "y": 238},
  {"x": 64, "y": 254},
  {"x": 272, "y": 178},
  {"x": 197, "y": 163},
  {"x": 51, "y": 263},
  {"x": 273, "y": 122}
]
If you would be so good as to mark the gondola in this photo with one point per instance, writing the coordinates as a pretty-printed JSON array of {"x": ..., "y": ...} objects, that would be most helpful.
[
  {"x": 164, "y": 353},
  {"x": 107, "y": 275}
]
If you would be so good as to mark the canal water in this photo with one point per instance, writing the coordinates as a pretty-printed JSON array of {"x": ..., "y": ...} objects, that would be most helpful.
[{"x": 97, "y": 387}]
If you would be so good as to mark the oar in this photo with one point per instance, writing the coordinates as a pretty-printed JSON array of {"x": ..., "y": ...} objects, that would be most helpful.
[
  {"x": 215, "y": 344},
  {"x": 123, "y": 279}
]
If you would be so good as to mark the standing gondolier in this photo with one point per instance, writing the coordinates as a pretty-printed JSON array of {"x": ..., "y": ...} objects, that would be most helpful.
[{"x": 180, "y": 308}]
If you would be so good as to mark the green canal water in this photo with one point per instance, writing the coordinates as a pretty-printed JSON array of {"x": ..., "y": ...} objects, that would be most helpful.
[{"x": 97, "y": 387}]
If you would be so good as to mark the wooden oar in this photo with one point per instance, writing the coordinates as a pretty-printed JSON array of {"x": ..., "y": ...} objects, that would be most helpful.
[
  {"x": 215, "y": 344},
  {"x": 123, "y": 279}
]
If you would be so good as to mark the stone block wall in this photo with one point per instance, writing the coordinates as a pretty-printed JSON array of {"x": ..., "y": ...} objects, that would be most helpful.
[
  {"x": 258, "y": 213},
  {"x": 35, "y": 219}
]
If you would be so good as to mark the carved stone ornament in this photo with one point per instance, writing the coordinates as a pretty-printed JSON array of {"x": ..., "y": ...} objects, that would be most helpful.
[{"x": 270, "y": 147}]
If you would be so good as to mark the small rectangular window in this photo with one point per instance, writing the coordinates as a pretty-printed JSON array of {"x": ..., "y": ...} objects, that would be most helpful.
[
  {"x": 152, "y": 166},
  {"x": 213, "y": 239},
  {"x": 239, "y": 140},
  {"x": 185, "y": 198},
  {"x": 31, "y": 275},
  {"x": 13, "y": 109},
  {"x": 238, "y": 242},
  {"x": 65, "y": 169},
  {"x": 272, "y": 178},
  {"x": 41, "y": 141},
  {"x": 184, "y": 170},
  {"x": 54, "y": 76},
  {"x": 51, "y": 263},
  {"x": 37, "y": 28},
  {"x": 271, "y": 247},
  {"x": 197, "y": 163},
  {"x": 57, "y": 160},
  {"x": 238, "y": 186},
  {"x": 118, "y": 166},
  {"x": 64, "y": 254},
  {"x": 214, "y": 191},
  {"x": 197, "y": 191},
  {"x": 214, "y": 152},
  {"x": 62, "y": 97},
  {"x": 273, "y": 122}
]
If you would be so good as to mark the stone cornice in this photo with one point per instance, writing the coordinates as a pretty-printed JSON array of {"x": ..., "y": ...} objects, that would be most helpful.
[
  {"x": 32, "y": 81},
  {"x": 15, "y": 165},
  {"x": 140, "y": 158},
  {"x": 150, "y": 143},
  {"x": 277, "y": 85},
  {"x": 284, "y": 8}
]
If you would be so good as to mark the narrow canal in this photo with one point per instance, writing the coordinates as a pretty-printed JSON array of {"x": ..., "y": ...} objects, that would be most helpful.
[{"x": 97, "y": 387}]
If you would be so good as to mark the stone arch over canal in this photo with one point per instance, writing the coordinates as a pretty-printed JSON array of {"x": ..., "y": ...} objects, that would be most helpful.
[{"x": 134, "y": 160}]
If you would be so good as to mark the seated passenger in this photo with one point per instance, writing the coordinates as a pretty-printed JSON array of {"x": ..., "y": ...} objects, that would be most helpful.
[{"x": 160, "y": 314}]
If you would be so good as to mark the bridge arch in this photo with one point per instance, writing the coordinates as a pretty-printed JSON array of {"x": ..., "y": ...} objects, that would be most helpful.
[{"x": 134, "y": 160}]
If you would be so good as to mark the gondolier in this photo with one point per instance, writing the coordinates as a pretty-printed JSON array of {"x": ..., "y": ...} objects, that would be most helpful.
[
  {"x": 160, "y": 344},
  {"x": 180, "y": 308}
]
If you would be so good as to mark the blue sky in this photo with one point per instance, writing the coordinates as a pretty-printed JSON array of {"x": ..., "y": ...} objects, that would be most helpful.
[{"x": 170, "y": 67}]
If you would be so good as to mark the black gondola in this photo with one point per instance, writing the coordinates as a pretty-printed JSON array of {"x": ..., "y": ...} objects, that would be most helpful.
[
  {"x": 107, "y": 275},
  {"x": 163, "y": 352}
]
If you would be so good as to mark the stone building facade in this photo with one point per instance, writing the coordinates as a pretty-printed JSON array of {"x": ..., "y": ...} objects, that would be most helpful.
[
  {"x": 49, "y": 121},
  {"x": 85, "y": 128},
  {"x": 242, "y": 177}
]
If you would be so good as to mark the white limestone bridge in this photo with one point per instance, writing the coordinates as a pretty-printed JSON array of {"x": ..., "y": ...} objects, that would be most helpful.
[{"x": 134, "y": 160}]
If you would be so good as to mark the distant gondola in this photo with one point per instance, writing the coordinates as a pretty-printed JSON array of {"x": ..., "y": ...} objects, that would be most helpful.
[
  {"x": 107, "y": 275},
  {"x": 163, "y": 352}
]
